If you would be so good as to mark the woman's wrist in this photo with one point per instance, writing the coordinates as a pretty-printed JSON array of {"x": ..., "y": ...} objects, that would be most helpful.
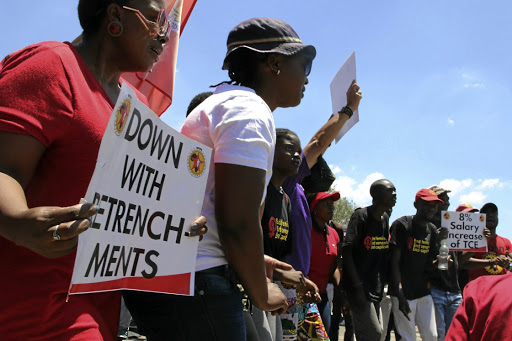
[{"x": 346, "y": 110}]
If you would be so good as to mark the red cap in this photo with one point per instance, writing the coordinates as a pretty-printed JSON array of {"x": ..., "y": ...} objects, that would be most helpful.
[
  {"x": 426, "y": 194},
  {"x": 335, "y": 196},
  {"x": 466, "y": 208}
]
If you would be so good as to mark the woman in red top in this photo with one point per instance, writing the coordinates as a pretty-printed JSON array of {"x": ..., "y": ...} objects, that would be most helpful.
[
  {"x": 55, "y": 102},
  {"x": 324, "y": 249}
]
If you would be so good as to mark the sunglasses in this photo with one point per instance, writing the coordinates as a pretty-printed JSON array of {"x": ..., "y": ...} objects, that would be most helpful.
[
  {"x": 161, "y": 28},
  {"x": 308, "y": 66}
]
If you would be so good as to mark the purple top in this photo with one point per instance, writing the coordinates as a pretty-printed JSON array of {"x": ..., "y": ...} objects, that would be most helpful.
[{"x": 300, "y": 256}]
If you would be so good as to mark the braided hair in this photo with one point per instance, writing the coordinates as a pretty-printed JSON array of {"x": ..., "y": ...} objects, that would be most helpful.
[{"x": 243, "y": 67}]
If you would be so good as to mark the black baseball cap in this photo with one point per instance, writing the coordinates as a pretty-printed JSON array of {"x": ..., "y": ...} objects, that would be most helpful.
[
  {"x": 489, "y": 207},
  {"x": 266, "y": 35}
]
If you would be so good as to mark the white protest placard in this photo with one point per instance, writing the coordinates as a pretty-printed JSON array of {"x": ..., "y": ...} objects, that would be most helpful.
[
  {"x": 149, "y": 183},
  {"x": 465, "y": 231},
  {"x": 339, "y": 86}
]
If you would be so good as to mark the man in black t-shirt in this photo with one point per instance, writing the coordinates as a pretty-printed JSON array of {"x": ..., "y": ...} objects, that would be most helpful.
[
  {"x": 413, "y": 251},
  {"x": 365, "y": 255},
  {"x": 444, "y": 284}
]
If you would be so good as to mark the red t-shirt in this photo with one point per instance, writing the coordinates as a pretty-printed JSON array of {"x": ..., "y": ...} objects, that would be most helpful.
[
  {"x": 485, "y": 311},
  {"x": 324, "y": 252},
  {"x": 48, "y": 92},
  {"x": 496, "y": 246}
]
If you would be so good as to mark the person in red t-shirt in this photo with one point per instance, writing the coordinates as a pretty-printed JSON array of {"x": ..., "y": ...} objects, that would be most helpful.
[
  {"x": 497, "y": 260},
  {"x": 324, "y": 249},
  {"x": 485, "y": 311},
  {"x": 55, "y": 101}
]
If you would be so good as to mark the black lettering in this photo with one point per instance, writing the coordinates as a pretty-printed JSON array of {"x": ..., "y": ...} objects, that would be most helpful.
[
  {"x": 175, "y": 156},
  {"x": 97, "y": 260},
  {"x": 149, "y": 172},
  {"x": 158, "y": 185},
  {"x": 112, "y": 260},
  {"x": 142, "y": 222},
  {"x": 128, "y": 136},
  {"x": 178, "y": 229},
  {"x": 158, "y": 141},
  {"x": 150, "y": 225},
  {"x": 123, "y": 260},
  {"x": 130, "y": 173},
  {"x": 146, "y": 123},
  {"x": 129, "y": 217},
  {"x": 151, "y": 263},
  {"x": 121, "y": 207},
  {"x": 112, "y": 202},
  {"x": 137, "y": 252}
]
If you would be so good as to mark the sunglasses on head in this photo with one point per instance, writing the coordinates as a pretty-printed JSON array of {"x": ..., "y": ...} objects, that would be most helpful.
[{"x": 161, "y": 28}]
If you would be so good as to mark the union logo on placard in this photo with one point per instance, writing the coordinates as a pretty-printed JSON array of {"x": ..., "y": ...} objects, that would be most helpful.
[
  {"x": 446, "y": 215},
  {"x": 196, "y": 162},
  {"x": 482, "y": 218},
  {"x": 122, "y": 115}
]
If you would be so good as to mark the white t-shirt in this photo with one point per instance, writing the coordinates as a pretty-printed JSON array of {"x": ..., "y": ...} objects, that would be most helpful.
[{"x": 239, "y": 126}]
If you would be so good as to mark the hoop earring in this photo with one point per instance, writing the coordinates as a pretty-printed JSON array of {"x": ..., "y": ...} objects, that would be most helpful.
[
  {"x": 278, "y": 72},
  {"x": 115, "y": 28}
]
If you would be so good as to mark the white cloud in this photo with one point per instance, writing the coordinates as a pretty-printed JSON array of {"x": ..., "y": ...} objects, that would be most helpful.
[
  {"x": 359, "y": 193},
  {"x": 456, "y": 186},
  {"x": 335, "y": 169},
  {"x": 474, "y": 198},
  {"x": 490, "y": 183},
  {"x": 474, "y": 85},
  {"x": 471, "y": 81},
  {"x": 451, "y": 122}
]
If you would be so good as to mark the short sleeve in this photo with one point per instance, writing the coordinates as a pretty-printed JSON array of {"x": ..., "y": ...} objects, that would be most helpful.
[
  {"x": 354, "y": 229},
  {"x": 397, "y": 233},
  {"x": 35, "y": 94},
  {"x": 508, "y": 245},
  {"x": 244, "y": 134}
]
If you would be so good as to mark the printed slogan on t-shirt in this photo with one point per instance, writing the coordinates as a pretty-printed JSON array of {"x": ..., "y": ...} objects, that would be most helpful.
[
  {"x": 376, "y": 243},
  {"x": 149, "y": 183}
]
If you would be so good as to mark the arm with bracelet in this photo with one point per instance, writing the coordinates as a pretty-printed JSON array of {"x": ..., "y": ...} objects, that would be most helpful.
[{"x": 326, "y": 134}]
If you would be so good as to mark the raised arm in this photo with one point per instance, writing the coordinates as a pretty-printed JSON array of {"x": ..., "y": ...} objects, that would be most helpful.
[
  {"x": 323, "y": 137},
  {"x": 238, "y": 193}
]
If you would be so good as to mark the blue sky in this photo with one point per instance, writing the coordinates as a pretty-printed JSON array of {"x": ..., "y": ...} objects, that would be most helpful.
[{"x": 437, "y": 98}]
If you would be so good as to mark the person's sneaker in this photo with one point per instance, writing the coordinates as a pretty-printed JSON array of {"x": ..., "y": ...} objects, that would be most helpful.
[
  {"x": 122, "y": 337},
  {"x": 342, "y": 322}
]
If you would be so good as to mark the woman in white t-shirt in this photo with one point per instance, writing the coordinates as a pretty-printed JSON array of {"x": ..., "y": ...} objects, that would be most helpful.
[{"x": 268, "y": 66}]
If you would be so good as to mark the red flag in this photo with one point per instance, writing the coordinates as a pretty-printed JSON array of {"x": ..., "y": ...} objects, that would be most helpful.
[{"x": 158, "y": 85}]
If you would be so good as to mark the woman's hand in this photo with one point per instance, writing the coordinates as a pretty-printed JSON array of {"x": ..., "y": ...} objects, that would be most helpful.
[
  {"x": 271, "y": 264},
  {"x": 354, "y": 96},
  {"x": 310, "y": 292},
  {"x": 51, "y": 231},
  {"x": 198, "y": 228},
  {"x": 290, "y": 277}
]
